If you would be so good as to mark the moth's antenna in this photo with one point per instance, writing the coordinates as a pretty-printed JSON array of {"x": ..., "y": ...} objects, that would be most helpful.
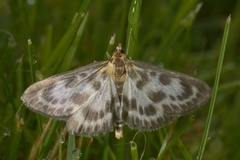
[
  {"x": 110, "y": 46},
  {"x": 128, "y": 42},
  {"x": 112, "y": 39}
]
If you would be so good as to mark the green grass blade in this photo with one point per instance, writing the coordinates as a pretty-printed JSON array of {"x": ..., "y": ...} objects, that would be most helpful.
[
  {"x": 177, "y": 32},
  {"x": 183, "y": 150},
  {"x": 174, "y": 140},
  {"x": 133, "y": 20},
  {"x": 71, "y": 147},
  {"x": 13, "y": 146},
  {"x": 215, "y": 89},
  {"x": 134, "y": 150},
  {"x": 31, "y": 61},
  {"x": 59, "y": 53},
  {"x": 33, "y": 75}
]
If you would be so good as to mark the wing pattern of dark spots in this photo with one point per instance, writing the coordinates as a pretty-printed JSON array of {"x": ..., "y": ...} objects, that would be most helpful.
[
  {"x": 92, "y": 115},
  {"x": 47, "y": 93},
  {"x": 140, "y": 109},
  {"x": 58, "y": 111},
  {"x": 96, "y": 85},
  {"x": 165, "y": 79},
  {"x": 34, "y": 100},
  {"x": 167, "y": 108},
  {"x": 188, "y": 91},
  {"x": 180, "y": 97},
  {"x": 71, "y": 82},
  {"x": 104, "y": 74},
  {"x": 83, "y": 75},
  {"x": 133, "y": 104},
  {"x": 144, "y": 77},
  {"x": 54, "y": 101},
  {"x": 63, "y": 100},
  {"x": 156, "y": 96},
  {"x": 69, "y": 109},
  {"x": 172, "y": 97},
  {"x": 183, "y": 106},
  {"x": 153, "y": 74},
  {"x": 79, "y": 98},
  {"x": 150, "y": 110},
  {"x": 139, "y": 84}
]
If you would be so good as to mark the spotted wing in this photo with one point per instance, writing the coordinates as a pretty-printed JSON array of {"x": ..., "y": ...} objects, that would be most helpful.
[
  {"x": 82, "y": 97},
  {"x": 153, "y": 96}
]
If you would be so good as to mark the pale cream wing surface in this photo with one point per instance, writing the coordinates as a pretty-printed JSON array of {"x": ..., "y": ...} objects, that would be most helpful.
[
  {"x": 96, "y": 116},
  {"x": 82, "y": 97},
  {"x": 153, "y": 96}
]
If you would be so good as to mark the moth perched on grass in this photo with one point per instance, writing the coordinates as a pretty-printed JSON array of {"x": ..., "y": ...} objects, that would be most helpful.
[{"x": 103, "y": 96}]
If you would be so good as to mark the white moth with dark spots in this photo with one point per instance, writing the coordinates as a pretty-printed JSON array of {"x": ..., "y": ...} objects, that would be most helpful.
[{"x": 103, "y": 96}]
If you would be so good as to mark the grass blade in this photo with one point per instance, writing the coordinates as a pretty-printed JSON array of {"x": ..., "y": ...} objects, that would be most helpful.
[{"x": 215, "y": 89}]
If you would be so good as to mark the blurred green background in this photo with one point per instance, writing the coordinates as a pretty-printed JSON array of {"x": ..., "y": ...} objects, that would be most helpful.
[{"x": 168, "y": 36}]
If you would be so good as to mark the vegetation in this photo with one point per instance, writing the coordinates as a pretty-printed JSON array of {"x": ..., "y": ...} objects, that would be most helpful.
[{"x": 42, "y": 38}]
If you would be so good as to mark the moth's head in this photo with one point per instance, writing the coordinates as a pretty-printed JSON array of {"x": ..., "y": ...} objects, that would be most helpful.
[
  {"x": 119, "y": 49},
  {"x": 117, "y": 52}
]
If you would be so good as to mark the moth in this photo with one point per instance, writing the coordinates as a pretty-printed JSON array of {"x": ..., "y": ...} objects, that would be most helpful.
[{"x": 104, "y": 96}]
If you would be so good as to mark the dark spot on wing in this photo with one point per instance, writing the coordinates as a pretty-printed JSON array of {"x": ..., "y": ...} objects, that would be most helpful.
[
  {"x": 45, "y": 108},
  {"x": 150, "y": 110},
  {"x": 132, "y": 74},
  {"x": 198, "y": 95},
  {"x": 140, "y": 109},
  {"x": 104, "y": 126},
  {"x": 144, "y": 77},
  {"x": 92, "y": 115},
  {"x": 88, "y": 129},
  {"x": 145, "y": 124},
  {"x": 58, "y": 111},
  {"x": 34, "y": 100},
  {"x": 92, "y": 77},
  {"x": 188, "y": 91},
  {"x": 101, "y": 114},
  {"x": 180, "y": 98},
  {"x": 96, "y": 85},
  {"x": 176, "y": 109},
  {"x": 190, "y": 104},
  {"x": 125, "y": 101},
  {"x": 47, "y": 93},
  {"x": 69, "y": 109},
  {"x": 139, "y": 84},
  {"x": 104, "y": 74},
  {"x": 154, "y": 124},
  {"x": 83, "y": 75},
  {"x": 79, "y": 98},
  {"x": 167, "y": 109},
  {"x": 108, "y": 106},
  {"x": 153, "y": 74},
  {"x": 133, "y": 104},
  {"x": 172, "y": 97},
  {"x": 165, "y": 79},
  {"x": 183, "y": 106},
  {"x": 195, "y": 100},
  {"x": 156, "y": 96},
  {"x": 137, "y": 121},
  {"x": 160, "y": 121},
  {"x": 71, "y": 82},
  {"x": 63, "y": 100},
  {"x": 54, "y": 101}
]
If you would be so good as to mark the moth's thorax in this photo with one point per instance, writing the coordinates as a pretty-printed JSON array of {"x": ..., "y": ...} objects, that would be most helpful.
[{"x": 116, "y": 65}]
